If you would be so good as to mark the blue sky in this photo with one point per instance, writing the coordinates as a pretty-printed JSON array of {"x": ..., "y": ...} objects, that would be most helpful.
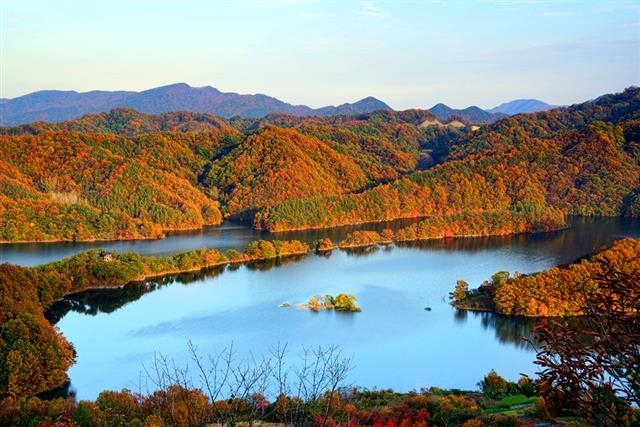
[{"x": 407, "y": 53}]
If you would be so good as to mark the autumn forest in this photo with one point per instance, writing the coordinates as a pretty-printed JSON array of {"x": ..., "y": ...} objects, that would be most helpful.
[{"x": 125, "y": 175}]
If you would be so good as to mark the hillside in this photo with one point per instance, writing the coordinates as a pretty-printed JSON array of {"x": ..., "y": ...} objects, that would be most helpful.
[
  {"x": 57, "y": 106},
  {"x": 125, "y": 174},
  {"x": 583, "y": 160},
  {"x": 251, "y": 175},
  {"x": 127, "y": 122},
  {"x": 66, "y": 185},
  {"x": 320, "y": 156}
]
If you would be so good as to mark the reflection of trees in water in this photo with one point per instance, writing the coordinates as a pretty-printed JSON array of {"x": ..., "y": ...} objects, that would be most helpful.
[
  {"x": 337, "y": 234},
  {"x": 508, "y": 329},
  {"x": 361, "y": 251},
  {"x": 268, "y": 264},
  {"x": 515, "y": 330},
  {"x": 471, "y": 244},
  {"x": 108, "y": 300},
  {"x": 96, "y": 301},
  {"x": 585, "y": 236}
]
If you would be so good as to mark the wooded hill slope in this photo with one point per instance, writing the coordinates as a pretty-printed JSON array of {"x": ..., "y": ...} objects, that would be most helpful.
[
  {"x": 126, "y": 174},
  {"x": 581, "y": 160}
]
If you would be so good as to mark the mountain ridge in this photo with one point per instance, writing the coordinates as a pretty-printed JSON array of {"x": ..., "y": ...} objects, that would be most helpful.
[
  {"x": 58, "y": 105},
  {"x": 471, "y": 114},
  {"x": 62, "y": 105},
  {"x": 518, "y": 106}
]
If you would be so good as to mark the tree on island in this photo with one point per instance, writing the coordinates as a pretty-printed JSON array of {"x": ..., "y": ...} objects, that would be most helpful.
[{"x": 461, "y": 292}]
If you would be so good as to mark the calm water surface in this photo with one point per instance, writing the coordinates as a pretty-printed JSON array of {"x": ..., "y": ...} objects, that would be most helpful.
[{"x": 395, "y": 343}]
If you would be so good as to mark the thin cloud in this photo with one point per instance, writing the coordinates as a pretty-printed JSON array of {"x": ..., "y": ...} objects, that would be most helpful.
[
  {"x": 370, "y": 10},
  {"x": 562, "y": 11},
  {"x": 328, "y": 15}
]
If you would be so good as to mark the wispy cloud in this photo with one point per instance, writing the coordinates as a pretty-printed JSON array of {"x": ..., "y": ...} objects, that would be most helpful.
[
  {"x": 280, "y": 3},
  {"x": 560, "y": 13},
  {"x": 340, "y": 45},
  {"x": 290, "y": 2},
  {"x": 569, "y": 9},
  {"x": 328, "y": 15},
  {"x": 371, "y": 10}
]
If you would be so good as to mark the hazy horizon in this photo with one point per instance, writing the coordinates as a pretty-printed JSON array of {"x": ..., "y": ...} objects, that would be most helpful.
[{"x": 318, "y": 53}]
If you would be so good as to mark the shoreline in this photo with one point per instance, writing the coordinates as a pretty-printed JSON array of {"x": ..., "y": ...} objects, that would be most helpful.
[
  {"x": 146, "y": 277},
  {"x": 385, "y": 242},
  {"x": 249, "y": 225},
  {"x": 346, "y": 224},
  {"x": 115, "y": 239},
  {"x": 288, "y": 230}
]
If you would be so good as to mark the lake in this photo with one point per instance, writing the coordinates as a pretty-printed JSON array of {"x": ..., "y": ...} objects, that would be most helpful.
[{"x": 394, "y": 342}]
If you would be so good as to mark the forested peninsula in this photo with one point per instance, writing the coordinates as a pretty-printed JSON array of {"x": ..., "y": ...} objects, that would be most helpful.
[
  {"x": 128, "y": 175},
  {"x": 564, "y": 290}
]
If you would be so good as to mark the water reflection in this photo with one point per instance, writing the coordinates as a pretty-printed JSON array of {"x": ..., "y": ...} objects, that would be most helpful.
[
  {"x": 268, "y": 264},
  {"x": 517, "y": 331},
  {"x": 583, "y": 237},
  {"x": 107, "y": 300},
  {"x": 467, "y": 244},
  {"x": 521, "y": 331},
  {"x": 363, "y": 251}
]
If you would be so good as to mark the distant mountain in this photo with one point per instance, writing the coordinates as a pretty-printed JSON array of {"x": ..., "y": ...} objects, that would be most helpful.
[
  {"x": 518, "y": 106},
  {"x": 365, "y": 105},
  {"x": 471, "y": 114},
  {"x": 57, "y": 106}
]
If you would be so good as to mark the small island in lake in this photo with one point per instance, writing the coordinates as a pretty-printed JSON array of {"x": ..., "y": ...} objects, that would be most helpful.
[{"x": 341, "y": 302}]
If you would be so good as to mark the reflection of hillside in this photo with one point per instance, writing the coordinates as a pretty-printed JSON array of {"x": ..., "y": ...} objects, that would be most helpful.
[
  {"x": 268, "y": 264},
  {"x": 585, "y": 236},
  {"x": 588, "y": 235},
  {"x": 466, "y": 244},
  {"x": 508, "y": 329},
  {"x": 515, "y": 330},
  {"x": 361, "y": 251},
  {"x": 108, "y": 300},
  {"x": 337, "y": 234}
]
